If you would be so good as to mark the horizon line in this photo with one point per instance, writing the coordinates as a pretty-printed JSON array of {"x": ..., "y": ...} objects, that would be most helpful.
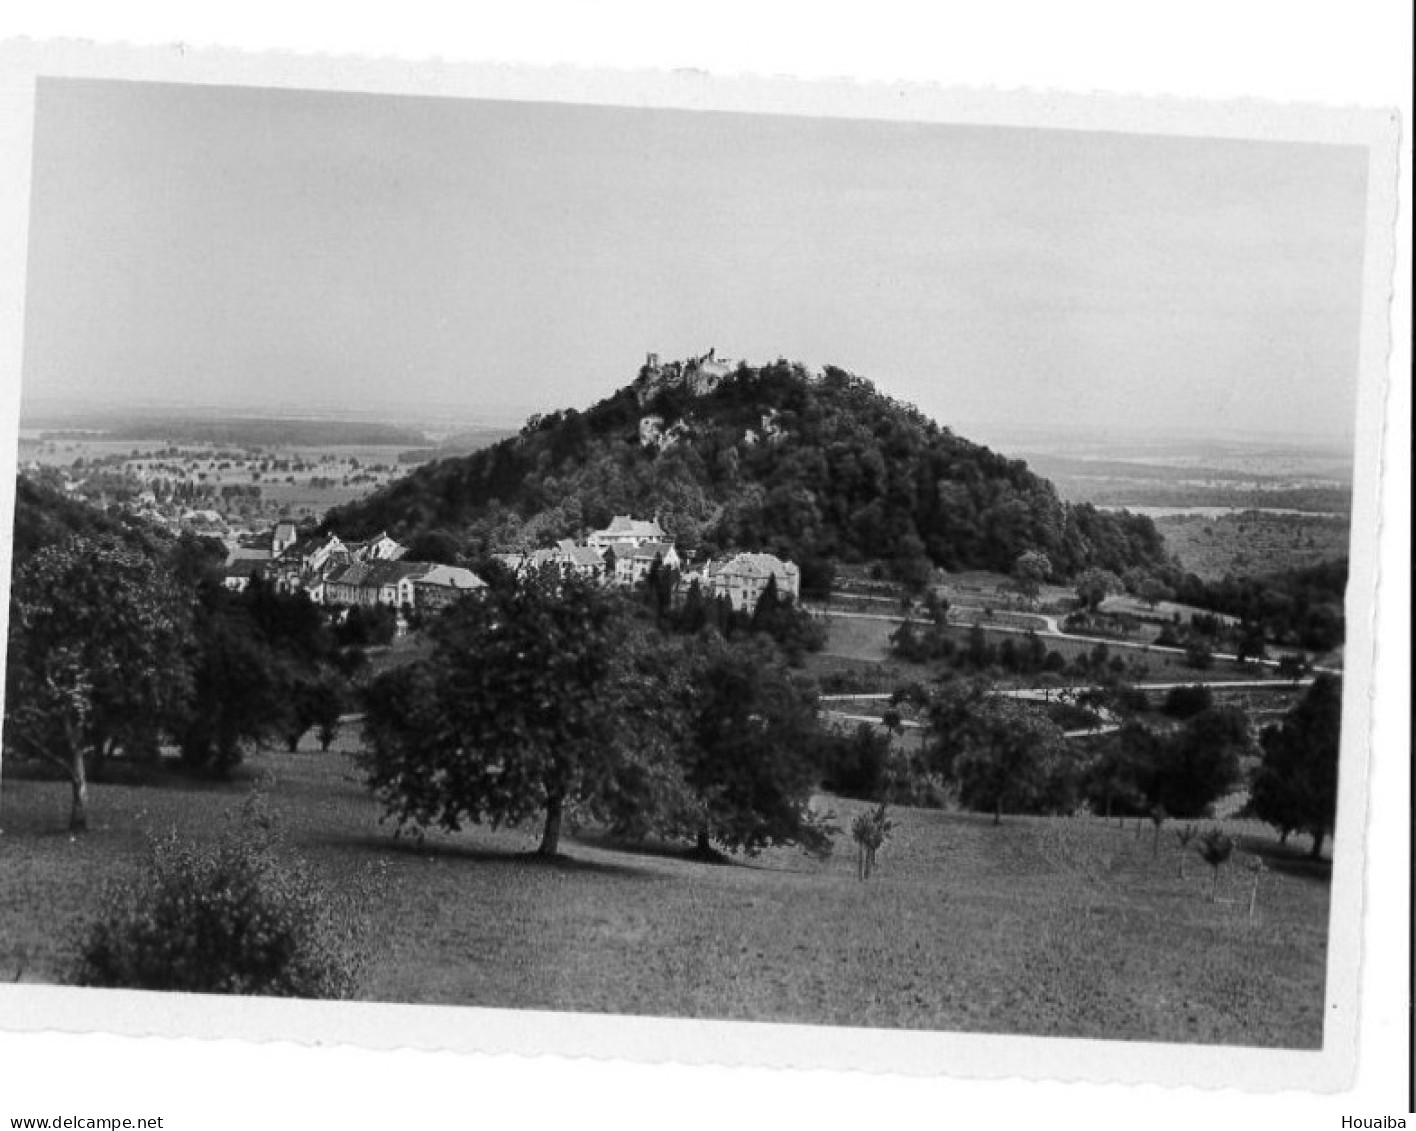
[{"x": 493, "y": 413}]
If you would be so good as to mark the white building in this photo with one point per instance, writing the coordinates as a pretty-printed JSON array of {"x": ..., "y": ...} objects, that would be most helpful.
[
  {"x": 625, "y": 533},
  {"x": 380, "y": 548},
  {"x": 743, "y": 579},
  {"x": 282, "y": 538},
  {"x": 584, "y": 560},
  {"x": 633, "y": 563}
]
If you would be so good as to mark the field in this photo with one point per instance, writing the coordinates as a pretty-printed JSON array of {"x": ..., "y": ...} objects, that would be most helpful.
[
  {"x": 305, "y": 499},
  {"x": 1254, "y": 542},
  {"x": 1062, "y": 927},
  {"x": 1312, "y": 475},
  {"x": 857, "y": 646}
]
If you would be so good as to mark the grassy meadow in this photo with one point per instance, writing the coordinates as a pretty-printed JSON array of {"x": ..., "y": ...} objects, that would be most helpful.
[
  {"x": 1046, "y": 926},
  {"x": 858, "y": 649}
]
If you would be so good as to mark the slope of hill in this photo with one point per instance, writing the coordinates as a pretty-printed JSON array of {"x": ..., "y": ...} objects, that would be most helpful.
[
  {"x": 813, "y": 467},
  {"x": 45, "y": 517}
]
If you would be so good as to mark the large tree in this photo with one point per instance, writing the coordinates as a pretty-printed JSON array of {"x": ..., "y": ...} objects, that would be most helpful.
[
  {"x": 257, "y": 655},
  {"x": 1295, "y": 788},
  {"x": 1116, "y": 778},
  {"x": 750, "y": 755},
  {"x": 98, "y": 656},
  {"x": 726, "y": 747},
  {"x": 238, "y": 693},
  {"x": 1095, "y": 585},
  {"x": 517, "y": 714},
  {"x": 1201, "y": 762},
  {"x": 1007, "y": 755},
  {"x": 1031, "y": 569}
]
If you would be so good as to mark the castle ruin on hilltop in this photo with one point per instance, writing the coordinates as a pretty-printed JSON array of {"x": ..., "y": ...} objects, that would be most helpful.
[{"x": 698, "y": 375}]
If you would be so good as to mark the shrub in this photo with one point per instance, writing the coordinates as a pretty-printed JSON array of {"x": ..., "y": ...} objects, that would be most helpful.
[
  {"x": 1215, "y": 847},
  {"x": 1168, "y": 638},
  {"x": 1198, "y": 656},
  {"x": 1070, "y": 716},
  {"x": 856, "y": 763},
  {"x": 870, "y": 831},
  {"x": 1187, "y": 701},
  {"x": 233, "y": 917},
  {"x": 1132, "y": 699}
]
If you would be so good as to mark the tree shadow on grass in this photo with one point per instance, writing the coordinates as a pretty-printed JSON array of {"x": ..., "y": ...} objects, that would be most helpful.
[
  {"x": 655, "y": 849},
  {"x": 411, "y": 848},
  {"x": 1287, "y": 859},
  {"x": 681, "y": 852}
]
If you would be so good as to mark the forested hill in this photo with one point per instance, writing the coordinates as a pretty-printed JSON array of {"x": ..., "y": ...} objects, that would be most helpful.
[
  {"x": 45, "y": 517},
  {"x": 815, "y": 468}
]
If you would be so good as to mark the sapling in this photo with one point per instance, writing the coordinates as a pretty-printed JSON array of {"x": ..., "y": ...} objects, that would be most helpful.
[
  {"x": 1157, "y": 816},
  {"x": 1185, "y": 834},
  {"x": 1258, "y": 868},
  {"x": 1216, "y": 847},
  {"x": 870, "y": 831}
]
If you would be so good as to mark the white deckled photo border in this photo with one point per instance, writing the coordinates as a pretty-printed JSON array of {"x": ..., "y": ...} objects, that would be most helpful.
[{"x": 379, "y": 1026}]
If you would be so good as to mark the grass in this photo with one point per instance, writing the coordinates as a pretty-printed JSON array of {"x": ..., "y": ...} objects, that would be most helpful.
[
  {"x": 1061, "y": 927},
  {"x": 859, "y": 639},
  {"x": 857, "y": 658},
  {"x": 857, "y": 651},
  {"x": 1254, "y": 542}
]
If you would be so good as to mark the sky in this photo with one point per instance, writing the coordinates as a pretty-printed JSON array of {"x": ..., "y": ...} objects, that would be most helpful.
[{"x": 265, "y": 249}]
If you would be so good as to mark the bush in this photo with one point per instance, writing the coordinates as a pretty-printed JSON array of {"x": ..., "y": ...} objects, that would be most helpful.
[
  {"x": 1198, "y": 656},
  {"x": 1132, "y": 699},
  {"x": 1069, "y": 716},
  {"x": 1168, "y": 638},
  {"x": 1188, "y": 701},
  {"x": 856, "y": 763},
  {"x": 235, "y": 917}
]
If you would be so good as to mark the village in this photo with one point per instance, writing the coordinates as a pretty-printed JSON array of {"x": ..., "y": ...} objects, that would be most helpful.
[
  {"x": 221, "y": 491},
  {"x": 377, "y": 571}
]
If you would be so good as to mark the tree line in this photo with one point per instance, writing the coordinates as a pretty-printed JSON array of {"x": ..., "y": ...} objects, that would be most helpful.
[{"x": 985, "y": 751}]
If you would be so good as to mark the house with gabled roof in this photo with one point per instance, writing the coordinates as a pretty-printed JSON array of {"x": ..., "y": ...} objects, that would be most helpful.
[
  {"x": 442, "y": 585},
  {"x": 567, "y": 555},
  {"x": 313, "y": 552},
  {"x": 241, "y": 567},
  {"x": 399, "y": 584},
  {"x": 634, "y": 563},
  {"x": 306, "y": 563},
  {"x": 743, "y": 578},
  {"x": 378, "y": 548},
  {"x": 282, "y": 538},
  {"x": 374, "y": 583},
  {"x": 584, "y": 560},
  {"x": 624, "y": 533},
  {"x": 244, "y": 561}
]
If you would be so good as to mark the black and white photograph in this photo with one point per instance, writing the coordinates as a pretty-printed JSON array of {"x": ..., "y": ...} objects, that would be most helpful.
[{"x": 859, "y": 579}]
